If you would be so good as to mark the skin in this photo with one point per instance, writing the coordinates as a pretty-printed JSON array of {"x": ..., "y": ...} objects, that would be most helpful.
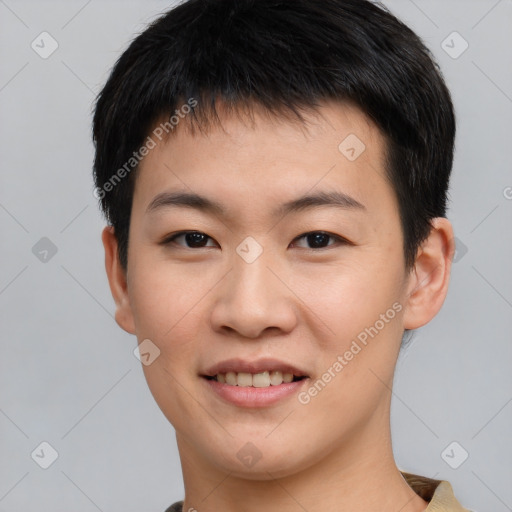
[{"x": 304, "y": 305}]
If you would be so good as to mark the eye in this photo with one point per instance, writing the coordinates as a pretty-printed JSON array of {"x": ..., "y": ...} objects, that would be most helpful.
[
  {"x": 196, "y": 239},
  {"x": 319, "y": 239}
]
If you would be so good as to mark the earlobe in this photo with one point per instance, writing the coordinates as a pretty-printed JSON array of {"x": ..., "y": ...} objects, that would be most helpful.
[
  {"x": 429, "y": 279},
  {"x": 117, "y": 281}
]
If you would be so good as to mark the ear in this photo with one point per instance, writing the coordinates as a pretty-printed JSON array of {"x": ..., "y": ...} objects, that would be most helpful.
[
  {"x": 117, "y": 281},
  {"x": 430, "y": 276}
]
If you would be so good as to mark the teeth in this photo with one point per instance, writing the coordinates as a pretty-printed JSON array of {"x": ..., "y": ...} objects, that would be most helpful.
[
  {"x": 261, "y": 380},
  {"x": 257, "y": 380},
  {"x": 244, "y": 379},
  {"x": 276, "y": 378},
  {"x": 231, "y": 378}
]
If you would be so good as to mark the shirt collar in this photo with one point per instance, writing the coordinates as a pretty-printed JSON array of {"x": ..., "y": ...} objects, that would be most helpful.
[{"x": 438, "y": 493}]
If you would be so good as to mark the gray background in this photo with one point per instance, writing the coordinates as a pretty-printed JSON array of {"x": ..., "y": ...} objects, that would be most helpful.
[{"x": 68, "y": 375}]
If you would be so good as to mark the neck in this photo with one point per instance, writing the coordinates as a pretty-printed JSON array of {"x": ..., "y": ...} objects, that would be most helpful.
[{"x": 358, "y": 475}]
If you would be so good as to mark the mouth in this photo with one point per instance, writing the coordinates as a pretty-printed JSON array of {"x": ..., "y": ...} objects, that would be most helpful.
[
  {"x": 263, "y": 379},
  {"x": 261, "y": 373},
  {"x": 253, "y": 384}
]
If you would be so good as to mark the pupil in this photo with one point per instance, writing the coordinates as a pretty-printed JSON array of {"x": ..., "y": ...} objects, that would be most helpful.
[
  {"x": 194, "y": 238},
  {"x": 316, "y": 238}
]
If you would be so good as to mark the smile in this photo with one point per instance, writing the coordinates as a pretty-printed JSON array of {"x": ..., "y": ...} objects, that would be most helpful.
[{"x": 258, "y": 380}]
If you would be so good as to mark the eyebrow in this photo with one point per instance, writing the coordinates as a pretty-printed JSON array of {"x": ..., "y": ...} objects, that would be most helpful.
[{"x": 330, "y": 198}]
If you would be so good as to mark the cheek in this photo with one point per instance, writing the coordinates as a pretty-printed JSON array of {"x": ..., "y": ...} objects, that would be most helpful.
[
  {"x": 166, "y": 310},
  {"x": 165, "y": 303},
  {"x": 358, "y": 355},
  {"x": 349, "y": 297}
]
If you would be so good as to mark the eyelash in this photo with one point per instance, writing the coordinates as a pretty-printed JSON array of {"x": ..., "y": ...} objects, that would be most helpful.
[{"x": 339, "y": 240}]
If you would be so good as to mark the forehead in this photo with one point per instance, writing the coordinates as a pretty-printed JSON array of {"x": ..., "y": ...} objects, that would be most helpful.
[{"x": 249, "y": 165}]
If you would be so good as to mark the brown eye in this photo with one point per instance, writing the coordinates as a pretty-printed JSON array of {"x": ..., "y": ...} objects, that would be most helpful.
[
  {"x": 193, "y": 239},
  {"x": 320, "y": 239}
]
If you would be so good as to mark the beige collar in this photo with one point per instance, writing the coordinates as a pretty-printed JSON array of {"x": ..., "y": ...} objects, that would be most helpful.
[{"x": 438, "y": 493}]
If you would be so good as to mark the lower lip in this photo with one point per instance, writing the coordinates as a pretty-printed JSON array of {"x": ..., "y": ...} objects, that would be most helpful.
[{"x": 248, "y": 396}]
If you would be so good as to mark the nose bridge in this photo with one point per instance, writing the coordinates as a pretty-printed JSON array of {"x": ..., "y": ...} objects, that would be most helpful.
[
  {"x": 251, "y": 273},
  {"x": 252, "y": 298}
]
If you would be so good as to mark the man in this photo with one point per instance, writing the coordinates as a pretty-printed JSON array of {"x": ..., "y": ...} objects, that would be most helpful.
[{"x": 274, "y": 174}]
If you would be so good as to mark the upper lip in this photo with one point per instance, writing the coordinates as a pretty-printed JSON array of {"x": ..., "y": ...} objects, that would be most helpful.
[{"x": 258, "y": 366}]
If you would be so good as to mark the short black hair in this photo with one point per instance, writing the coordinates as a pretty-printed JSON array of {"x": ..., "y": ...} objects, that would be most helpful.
[{"x": 286, "y": 56}]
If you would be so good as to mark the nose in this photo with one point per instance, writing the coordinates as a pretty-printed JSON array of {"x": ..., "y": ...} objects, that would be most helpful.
[{"x": 253, "y": 298}]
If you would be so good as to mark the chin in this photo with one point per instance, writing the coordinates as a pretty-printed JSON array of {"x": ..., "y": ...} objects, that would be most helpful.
[
  {"x": 262, "y": 470},
  {"x": 256, "y": 460}
]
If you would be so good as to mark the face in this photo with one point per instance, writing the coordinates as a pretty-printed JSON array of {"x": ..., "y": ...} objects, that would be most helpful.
[{"x": 268, "y": 281}]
